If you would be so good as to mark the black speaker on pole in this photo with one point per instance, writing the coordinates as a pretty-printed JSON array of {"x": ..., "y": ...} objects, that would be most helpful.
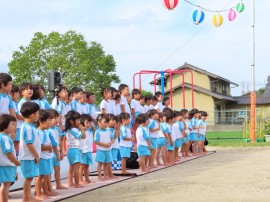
[{"x": 54, "y": 79}]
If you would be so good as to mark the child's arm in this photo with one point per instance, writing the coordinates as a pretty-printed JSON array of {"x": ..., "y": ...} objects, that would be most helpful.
[
  {"x": 123, "y": 108},
  {"x": 103, "y": 111},
  {"x": 153, "y": 130},
  {"x": 82, "y": 131},
  {"x": 58, "y": 157},
  {"x": 33, "y": 150},
  {"x": 13, "y": 159},
  {"x": 46, "y": 148},
  {"x": 19, "y": 117}
]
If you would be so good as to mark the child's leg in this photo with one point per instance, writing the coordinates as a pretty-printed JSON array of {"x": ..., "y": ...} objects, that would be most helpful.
[
  {"x": 164, "y": 154},
  {"x": 49, "y": 186},
  {"x": 106, "y": 171},
  {"x": 194, "y": 147},
  {"x": 76, "y": 171},
  {"x": 124, "y": 165},
  {"x": 27, "y": 189},
  {"x": 142, "y": 163},
  {"x": 86, "y": 173},
  {"x": 38, "y": 185},
  {"x": 175, "y": 155},
  {"x": 70, "y": 176},
  {"x": 57, "y": 178},
  {"x": 4, "y": 190},
  {"x": 157, "y": 157},
  {"x": 99, "y": 168},
  {"x": 81, "y": 173},
  {"x": 152, "y": 157}
]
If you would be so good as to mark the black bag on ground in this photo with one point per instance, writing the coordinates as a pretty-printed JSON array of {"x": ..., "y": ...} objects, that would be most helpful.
[
  {"x": 132, "y": 162},
  {"x": 205, "y": 142}
]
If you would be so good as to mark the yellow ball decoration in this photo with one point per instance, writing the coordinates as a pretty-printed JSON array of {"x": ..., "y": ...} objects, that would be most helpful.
[{"x": 217, "y": 20}]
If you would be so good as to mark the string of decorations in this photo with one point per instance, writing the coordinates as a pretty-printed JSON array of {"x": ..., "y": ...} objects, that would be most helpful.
[{"x": 198, "y": 15}]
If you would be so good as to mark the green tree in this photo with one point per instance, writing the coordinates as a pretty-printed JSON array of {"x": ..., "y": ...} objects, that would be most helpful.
[
  {"x": 83, "y": 64},
  {"x": 145, "y": 92},
  {"x": 260, "y": 91}
]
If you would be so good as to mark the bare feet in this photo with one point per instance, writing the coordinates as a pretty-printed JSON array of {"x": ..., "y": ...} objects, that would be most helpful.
[
  {"x": 61, "y": 187},
  {"x": 145, "y": 170},
  {"x": 53, "y": 193},
  {"x": 71, "y": 185},
  {"x": 101, "y": 179},
  {"x": 159, "y": 164},
  {"x": 90, "y": 181},
  {"x": 113, "y": 177},
  {"x": 78, "y": 186},
  {"x": 42, "y": 197},
  {"x": 83, "y": 182},
  {"x": 34, "y": 200}
]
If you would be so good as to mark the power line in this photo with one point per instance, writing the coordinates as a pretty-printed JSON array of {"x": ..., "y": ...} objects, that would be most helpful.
[{"x": 184, "y": 43}]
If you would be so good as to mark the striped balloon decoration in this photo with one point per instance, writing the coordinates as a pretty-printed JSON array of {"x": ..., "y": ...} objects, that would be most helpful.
[
  {"x": 217, "y": 20},
  {"x": 198, "y": 16},
  {"x": 240, "y": 7},
  {"x": 231, "y": 15},
  {"x": 169, "y": 4}
]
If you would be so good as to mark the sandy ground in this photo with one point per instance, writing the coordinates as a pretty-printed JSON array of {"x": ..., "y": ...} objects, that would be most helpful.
[{"x": 229, "y": 175}]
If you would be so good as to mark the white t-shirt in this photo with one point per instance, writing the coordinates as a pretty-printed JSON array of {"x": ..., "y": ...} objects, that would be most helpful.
[
  {"x": 187, "y": 122},
  {"x": 104, "y": 136},
  {"x": 162, "y": 129},
  {"x": 6, "y": 103},
  {"x": 194, "y": 123},
  {"x": 177, "y": 129},
  {"x": 87, "y": 143},
  {"x": 135, "y": 104},
  {"x": 56, "y": 134},
  {"x": 147, "y": 108},
  {"x": 115, "y": 144},
  {"x": 106, "y": 106},
  {"x": 153, "y": 124},
  {"x": 159, "y": 106},
  {"x": 84, "y": 108},
  {"x": 113, "y": 106},
  {"x": 45, "y": 140},
  {"x": 202, "y": 130},
  {"x": 20, "y": 122},
  {"x": 93, "y": 111},
  {"x": 76, "y": 106},
  {"x": 28, "y": 135},
  {"x": 74, "y": 137},
  {"x": 61, "y": 108},
  {"x": 125, "y": 132},
  {"x": 6, "y": 146},
  {"x": 142, "y": 136},
  {"x": 124, "y": 102},
  {"x": 117, "y": 109}
]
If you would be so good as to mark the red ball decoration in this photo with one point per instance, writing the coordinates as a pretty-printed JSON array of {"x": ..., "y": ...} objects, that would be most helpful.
[{"x": 169, "y": 4}]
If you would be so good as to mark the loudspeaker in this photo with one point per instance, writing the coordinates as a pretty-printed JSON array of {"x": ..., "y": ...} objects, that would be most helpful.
[{"x": 54, "y": 79}]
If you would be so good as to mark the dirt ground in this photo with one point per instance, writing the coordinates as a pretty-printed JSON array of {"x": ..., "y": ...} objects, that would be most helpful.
[{"x": 228, "y": 175}]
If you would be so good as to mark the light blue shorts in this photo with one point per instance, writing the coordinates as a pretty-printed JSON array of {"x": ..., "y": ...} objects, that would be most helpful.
[
  {"x": 178, "y": 143},
  {"x": 29, "y": 168},
  {"x": 194, "y": 137},
  {"x": 114, "y": 153},
  {"x": 125, "y": 152},
  {"x": 153, "y": 142},
  {"x": 202, "y": 137},
  {"x": 143, "y": 150},
  {"x": 161, "y": 142},
  {"x": 87, "y": 158},
  {"x": 17, "y": 138},
  {"x": 188, "y": 137},
  {"x": 55, "y": 162},
  {"x": 74, "y": 155},
  {"x": 45, "y": 167},
  {"x": 7, "y": 174},
  {"x": 169, "y": 147},
  {"x": 104, "y": 156}
]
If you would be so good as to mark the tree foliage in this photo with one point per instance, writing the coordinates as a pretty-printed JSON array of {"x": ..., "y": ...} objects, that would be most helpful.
[
  {"x": 82, "y": 64},
  {"x": 145, "y": 92}
]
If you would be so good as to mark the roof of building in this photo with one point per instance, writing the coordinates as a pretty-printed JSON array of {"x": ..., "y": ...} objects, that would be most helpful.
[
  {"x": 244, "y": 100},
  {"x": 189, "y": 66},
  {"x": 205, "y": 91}
]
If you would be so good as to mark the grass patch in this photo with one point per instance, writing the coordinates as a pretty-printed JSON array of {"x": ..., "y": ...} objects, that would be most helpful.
[
  {"x": 226, "y": 135},
  {"x": 228, "y": 139}
]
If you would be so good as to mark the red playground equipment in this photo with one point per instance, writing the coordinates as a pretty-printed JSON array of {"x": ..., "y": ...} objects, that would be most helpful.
[{"x": 162, "y": 82}]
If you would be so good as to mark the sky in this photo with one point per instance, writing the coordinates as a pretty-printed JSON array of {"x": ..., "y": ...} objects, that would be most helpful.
[{"x": 144, "y": 35}]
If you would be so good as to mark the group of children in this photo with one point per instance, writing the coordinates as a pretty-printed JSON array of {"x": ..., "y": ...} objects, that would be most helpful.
[{"x": 37, "y": 136}]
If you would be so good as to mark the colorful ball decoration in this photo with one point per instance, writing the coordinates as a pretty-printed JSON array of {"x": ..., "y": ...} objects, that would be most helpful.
[
  {"x": 198, "y": 16},
  {"x": 170, "y": 4},
  {"x": 240, "y": 7},
  {"x": 217, "y": 20},
  {"x": 231, "y": 15}
]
